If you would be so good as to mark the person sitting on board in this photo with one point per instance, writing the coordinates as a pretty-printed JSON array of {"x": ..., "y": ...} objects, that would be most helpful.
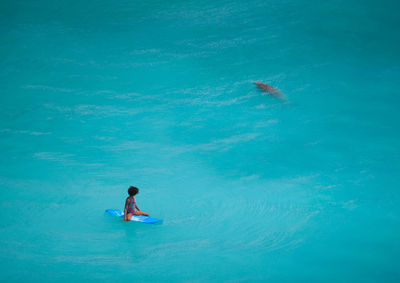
[{"x": 130, "y": 205}]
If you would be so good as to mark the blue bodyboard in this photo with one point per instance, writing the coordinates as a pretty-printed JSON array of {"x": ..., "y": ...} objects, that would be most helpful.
[{"x": 138, "y": 218}]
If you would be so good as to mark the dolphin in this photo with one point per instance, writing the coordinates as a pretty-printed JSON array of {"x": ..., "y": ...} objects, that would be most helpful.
[{"x": 273, "y": 91}]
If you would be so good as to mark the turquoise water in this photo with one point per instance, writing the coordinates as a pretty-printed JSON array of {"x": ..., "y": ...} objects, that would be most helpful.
[{"x": 100, "y": 95}]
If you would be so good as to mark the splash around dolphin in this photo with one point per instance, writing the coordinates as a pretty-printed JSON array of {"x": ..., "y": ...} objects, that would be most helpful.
[{"x": 273, "y": 91}]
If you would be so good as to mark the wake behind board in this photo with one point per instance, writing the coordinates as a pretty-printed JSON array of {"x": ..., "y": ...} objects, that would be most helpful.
[{"x": 138, "y": 218}]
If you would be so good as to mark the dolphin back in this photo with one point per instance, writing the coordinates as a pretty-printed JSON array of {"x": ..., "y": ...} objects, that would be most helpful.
[{"x": 273, "y": 91}]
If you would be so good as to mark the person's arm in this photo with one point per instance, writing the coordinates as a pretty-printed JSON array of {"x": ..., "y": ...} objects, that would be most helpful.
[
  {"x": 136, "y": 205},
  {"x": 125, "y": 209}
]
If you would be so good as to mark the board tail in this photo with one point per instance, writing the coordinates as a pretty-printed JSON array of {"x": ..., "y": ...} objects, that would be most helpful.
[{"x": 115, "y": 212}]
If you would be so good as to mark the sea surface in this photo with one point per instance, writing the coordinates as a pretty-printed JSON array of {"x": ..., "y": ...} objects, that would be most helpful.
[{"x": 97, "y": 96}]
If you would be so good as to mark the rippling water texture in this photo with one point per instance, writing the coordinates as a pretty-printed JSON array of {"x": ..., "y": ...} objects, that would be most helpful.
[{"x": 100, "y": 95}]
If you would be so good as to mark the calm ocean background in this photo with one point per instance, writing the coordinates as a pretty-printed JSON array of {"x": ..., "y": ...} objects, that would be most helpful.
[{"x": 100, "y": 95}]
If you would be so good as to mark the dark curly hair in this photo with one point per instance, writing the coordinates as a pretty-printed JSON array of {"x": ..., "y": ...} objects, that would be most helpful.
[{"x": 133, "y": 191}]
